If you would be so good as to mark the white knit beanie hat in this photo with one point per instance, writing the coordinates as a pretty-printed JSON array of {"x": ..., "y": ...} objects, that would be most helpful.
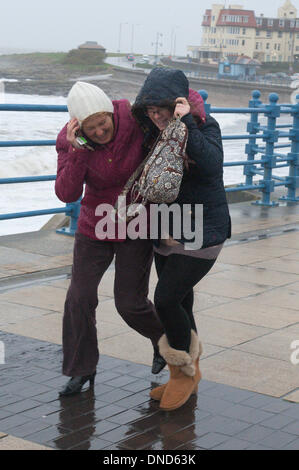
[{"x": 85, "y": 99}]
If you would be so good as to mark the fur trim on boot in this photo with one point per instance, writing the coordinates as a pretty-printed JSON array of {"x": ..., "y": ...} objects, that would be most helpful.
[
  {"x": 180, "y": 358},
  {"x": 184, "y": 374}
]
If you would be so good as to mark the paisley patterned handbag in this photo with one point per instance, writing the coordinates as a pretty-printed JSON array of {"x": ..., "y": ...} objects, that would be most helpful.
[
  {"x": 162, "y": 175},
  {"x": 162, "y": 170}
]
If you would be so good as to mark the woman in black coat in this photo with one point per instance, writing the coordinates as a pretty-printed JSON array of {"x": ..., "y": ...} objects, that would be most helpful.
[{"x": 164, "y": 95}]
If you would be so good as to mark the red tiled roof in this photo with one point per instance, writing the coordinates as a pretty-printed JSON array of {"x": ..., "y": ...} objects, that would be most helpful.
[
  {"x": 208, "y": 21},
  {"x": 229, "y": 12},
  {"x": 276, "y": 27},
  {"x": 245, "y": 60}
]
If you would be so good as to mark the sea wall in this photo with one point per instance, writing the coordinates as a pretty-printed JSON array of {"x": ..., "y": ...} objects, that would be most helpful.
[{"x": 125, "y": 83}]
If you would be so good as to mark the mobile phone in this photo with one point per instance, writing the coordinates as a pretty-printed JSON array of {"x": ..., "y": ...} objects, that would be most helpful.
[{"x": 83, "y": 142}]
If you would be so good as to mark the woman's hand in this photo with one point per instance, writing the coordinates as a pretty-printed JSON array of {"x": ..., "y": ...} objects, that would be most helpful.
[
  {"x": 182, "y": 107},
  {"x": 72, "y": 128}
]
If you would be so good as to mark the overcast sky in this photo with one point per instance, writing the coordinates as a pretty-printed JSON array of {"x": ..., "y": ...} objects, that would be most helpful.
[{"x": 61, "y": 25}]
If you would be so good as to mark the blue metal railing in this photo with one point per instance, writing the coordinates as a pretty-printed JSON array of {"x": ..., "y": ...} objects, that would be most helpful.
[
  {"x": 269, "y": 160},
  {"x": 270, "y": 134},
  {"x": 71, "y": 209}
]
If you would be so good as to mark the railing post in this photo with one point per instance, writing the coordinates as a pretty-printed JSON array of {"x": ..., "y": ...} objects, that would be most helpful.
[
  {"x": 293, "y": 179},
  {"x": 253, "y": 128},
  {"x": 204, "y": 94},
  {"x": 73, "y": 211},
  {"x": 270, "y": 137}
]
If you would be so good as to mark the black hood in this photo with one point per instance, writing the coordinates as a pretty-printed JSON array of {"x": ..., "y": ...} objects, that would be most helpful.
[
  {"x": 162, "y": 85},
  {"x": 161, "y": 88}
]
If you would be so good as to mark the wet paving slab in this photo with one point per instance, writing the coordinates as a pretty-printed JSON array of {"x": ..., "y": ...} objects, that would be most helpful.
[{"x": 119, "y": 415}]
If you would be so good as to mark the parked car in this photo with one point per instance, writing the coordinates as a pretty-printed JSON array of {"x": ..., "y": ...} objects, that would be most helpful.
[
  {"x": 145, "y": 59},
  {"x": 269, "y": 75},
  {"x": 130, "y": 57},
  {"x": 282, "y": 75}
]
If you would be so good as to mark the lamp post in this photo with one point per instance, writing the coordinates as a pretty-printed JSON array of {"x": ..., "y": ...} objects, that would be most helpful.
[
  {"x": 119, "y": 35},
  {"x": 132, "y": 37},
  {"x": 157, "y": 44},
  {"x": 173, "y": 40}
]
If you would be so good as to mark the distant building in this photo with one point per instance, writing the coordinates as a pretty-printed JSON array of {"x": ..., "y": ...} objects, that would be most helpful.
[
  {"x": 89, "y": 53},
  {"x": 92, "y": 45},
  {"x": 235, "y": 31},
  {"x": 238, "y": 68}
]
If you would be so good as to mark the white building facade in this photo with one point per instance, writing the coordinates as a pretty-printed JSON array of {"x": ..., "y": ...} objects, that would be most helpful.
[{"x": 236, "y": 31}]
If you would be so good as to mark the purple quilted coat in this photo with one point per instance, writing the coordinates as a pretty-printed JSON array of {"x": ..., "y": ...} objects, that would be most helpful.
[{"x": 105, "y": 170}]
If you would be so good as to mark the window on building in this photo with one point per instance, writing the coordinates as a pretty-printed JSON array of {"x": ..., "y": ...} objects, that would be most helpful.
[
  {"x": 292, "y": 24},
  {"x": 269, "y": 34},
  {"x": 280, "y": 34},
  {"x": 244, "y": 31},
  {"x": 257, "y": 33},
  {"x": 281, "y": 23},
  {"x": 270, "y": 22},
  {"x": 278, "y": 47},
  {"x": 235, "y": 18},
  {"x": 243, "y": 42},
  {"x": 232, "y": 42},
  {"x": 297, "y": 23},
  {"x": 259, "y": 21},
  {"x": 268, "y": 45},
  {"x": 233, "y": 30}
]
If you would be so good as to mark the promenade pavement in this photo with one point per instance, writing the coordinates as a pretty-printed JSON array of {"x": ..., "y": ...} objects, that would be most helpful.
[{"x": 246, "y": 310}]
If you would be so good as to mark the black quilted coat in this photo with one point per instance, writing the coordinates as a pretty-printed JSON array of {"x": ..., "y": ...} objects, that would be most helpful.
[{"x": 203, "y": 182}]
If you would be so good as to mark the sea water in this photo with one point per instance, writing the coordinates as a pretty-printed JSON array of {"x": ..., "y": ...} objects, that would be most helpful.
[{"x": 34, "y": 161}]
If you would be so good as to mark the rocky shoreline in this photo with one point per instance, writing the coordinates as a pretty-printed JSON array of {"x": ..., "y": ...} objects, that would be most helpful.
[{"x": 56, "y": 80}]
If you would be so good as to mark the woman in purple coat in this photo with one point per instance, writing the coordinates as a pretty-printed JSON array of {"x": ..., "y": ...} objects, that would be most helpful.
[{"x": 111, "y": 153}]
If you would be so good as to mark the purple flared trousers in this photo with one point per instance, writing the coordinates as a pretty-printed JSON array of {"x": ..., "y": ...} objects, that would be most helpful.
[{"x": 133, "y": 260}]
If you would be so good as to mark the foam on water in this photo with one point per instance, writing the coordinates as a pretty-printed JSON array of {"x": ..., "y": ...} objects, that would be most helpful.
[
  {"x": 8, "y": 80},
  {"x": 28, "y": 161}
]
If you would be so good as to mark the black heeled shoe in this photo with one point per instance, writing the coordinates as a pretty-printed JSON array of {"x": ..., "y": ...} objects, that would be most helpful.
[
  {"x": 75, "y": 384},
  {"x": 158, "y": 362}
]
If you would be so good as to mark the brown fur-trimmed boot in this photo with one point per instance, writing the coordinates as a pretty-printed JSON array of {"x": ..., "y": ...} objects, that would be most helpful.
[
  {"x": 157, "y": 393},
  {"x": 184, "y": 373}
]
